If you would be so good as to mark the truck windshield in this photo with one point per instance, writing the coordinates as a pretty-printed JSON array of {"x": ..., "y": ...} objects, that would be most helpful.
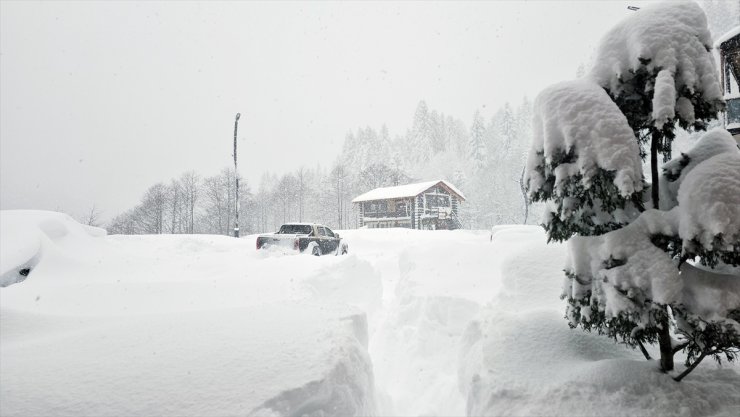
[{"x": 295, "y": 229}]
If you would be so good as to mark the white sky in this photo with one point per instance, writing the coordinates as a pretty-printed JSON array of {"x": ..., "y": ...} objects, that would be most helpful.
[{"x": 100, "y": 100}]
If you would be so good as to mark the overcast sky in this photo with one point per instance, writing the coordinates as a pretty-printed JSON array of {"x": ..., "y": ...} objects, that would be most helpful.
[{"x": 100, "y": 100}]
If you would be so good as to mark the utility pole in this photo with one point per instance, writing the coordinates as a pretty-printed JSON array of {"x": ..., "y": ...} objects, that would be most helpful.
[{"x": 236, "y": 178}]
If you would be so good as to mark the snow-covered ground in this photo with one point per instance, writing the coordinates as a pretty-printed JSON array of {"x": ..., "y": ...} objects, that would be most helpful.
[{"x": 409, "y": 323}]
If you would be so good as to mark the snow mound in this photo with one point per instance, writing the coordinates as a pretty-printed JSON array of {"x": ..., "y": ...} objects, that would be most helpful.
[
  {"x": 533, "y": 365},
  {"x": 709, "y": 294},
  {"x": 271, "y": 359},
  {"x": 351, "y": 281},
  {"x": 671, "y": 35},
  {"x": 579, "y": 117},
  {"x": 28, "y": 235},
  {"x": 519, "y": 357},
  {"x": 178, "y": 325},
  {"x": 712, "y": 143},
  {"x": 709, "y": 199}
]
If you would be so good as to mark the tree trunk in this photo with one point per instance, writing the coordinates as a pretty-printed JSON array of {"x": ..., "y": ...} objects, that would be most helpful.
[
  {"x": 664, "y": 340},
  {"x": 643, "y": 350},
  {"x": 664, "y": 337}
]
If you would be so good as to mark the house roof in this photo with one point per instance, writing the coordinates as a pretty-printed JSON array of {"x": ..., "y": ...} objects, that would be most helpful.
[
  {"x": 401, "y": 191},
  {"x": 727, "y": 36}
]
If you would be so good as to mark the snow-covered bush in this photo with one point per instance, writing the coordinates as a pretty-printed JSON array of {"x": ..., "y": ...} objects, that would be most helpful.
[
  {"x": 626, "y": 276},
  {"x": 713, "y": 143},
  {"x": 584, "y": 161},
  {"x": 657, "y": 67}
]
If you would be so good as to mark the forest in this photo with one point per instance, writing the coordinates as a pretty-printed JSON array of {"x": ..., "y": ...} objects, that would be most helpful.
[{"x": 484, "y": 158}]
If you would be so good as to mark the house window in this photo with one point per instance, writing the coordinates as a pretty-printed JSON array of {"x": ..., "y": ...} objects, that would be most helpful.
[{"x": 434, "y": 201}]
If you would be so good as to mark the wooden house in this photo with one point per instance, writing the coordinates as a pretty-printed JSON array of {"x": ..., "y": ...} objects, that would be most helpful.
[{"x": 425, "y": 205}]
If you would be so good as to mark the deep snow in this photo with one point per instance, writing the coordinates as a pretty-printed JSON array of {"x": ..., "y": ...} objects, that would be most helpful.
[{"x": 409, "y": 323}]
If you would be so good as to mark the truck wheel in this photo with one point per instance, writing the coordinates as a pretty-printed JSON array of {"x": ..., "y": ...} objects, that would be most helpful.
[{"x": 316, "y": 251}]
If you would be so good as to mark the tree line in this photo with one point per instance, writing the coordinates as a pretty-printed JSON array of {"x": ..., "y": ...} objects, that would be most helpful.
[{"x": 484, "y": 160}]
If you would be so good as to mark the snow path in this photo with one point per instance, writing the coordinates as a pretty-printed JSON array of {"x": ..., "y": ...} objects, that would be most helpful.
[
  {"x": 435, "y": 284},
  {"x": 427, "y": 304}
]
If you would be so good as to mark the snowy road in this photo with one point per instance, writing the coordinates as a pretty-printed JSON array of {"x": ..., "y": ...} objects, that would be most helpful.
[{"x": 409, "y": 323}]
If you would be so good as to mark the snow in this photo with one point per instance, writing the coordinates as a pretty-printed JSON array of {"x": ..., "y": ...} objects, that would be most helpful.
[
  {"x": 178, "y": 325},
  {"x": 709, "y": 294},
  {"x": 25, "y": 234},
  {"x": 675, "y": 38},
  {"x": 400, "y": 191},
  {"x": 712, "y": 143},
  {"x": 709, "y": 199},
  {"x": 727, "y": 36},
  {"x": 519, "y": 358},
  {"x": 409, "y": 323},
  {"x": 648, "y": 272},
  {"x": 579, "y": 116}
]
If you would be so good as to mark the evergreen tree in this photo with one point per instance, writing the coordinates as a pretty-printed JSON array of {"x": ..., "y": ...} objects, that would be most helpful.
[
  {"x": 627, "y": 273},
  {"x": 478, "y": 152}
]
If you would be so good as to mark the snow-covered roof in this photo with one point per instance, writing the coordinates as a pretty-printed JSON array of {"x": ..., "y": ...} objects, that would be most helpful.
[
  {"x": 401, "y": 191},
  {"x": 727, "y": 36}
]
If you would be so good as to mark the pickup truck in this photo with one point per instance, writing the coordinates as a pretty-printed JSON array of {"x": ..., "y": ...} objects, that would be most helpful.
[{"x": 314, "y": 238}]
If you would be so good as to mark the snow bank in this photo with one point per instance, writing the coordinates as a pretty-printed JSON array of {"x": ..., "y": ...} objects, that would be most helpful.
[
  {"x": 26, "y": 236},
  {"x": 519, "y": 357},
  {"x": 352, "y": 281},
  {"x": 237, "y": 361},
  {"x": 672, "y": 36},
  {"x": 434, "y": 283},
  {"x": 179, "y": 325},
  {"x": 411, "y": 323}
]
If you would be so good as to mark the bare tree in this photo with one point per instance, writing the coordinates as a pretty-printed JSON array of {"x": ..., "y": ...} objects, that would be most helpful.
[
  {"x": 150, "y": 213},
  {"x": 339, "y": 188},
  {"x": 285, "y": 193},
  {"x": 219, "y": 211},
  {"x": 93, "y": 217},
  {"x": 190, "y": 182},
  {"x": 301, "y": 190},
  {"x": 176, "y": 206}
]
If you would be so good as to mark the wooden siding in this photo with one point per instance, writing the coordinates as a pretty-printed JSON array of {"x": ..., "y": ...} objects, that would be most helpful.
[{"x": 434, "y": 208}]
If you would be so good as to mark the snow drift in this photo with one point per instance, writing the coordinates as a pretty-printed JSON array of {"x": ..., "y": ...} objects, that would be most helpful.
[
  {"x": 411, "y": 323},
  {"x": 518, "y": 357},
  {"x": 174, "y": 325},
  {"x": 28, "y": 236}
]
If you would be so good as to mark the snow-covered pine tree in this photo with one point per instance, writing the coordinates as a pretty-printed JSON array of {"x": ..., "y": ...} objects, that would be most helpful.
[
  {"x": 584, "y": 161},
  {"x": 477, "y": 144},
  {"x": 665, "y": 77},
  {"x": 653, "y": 71}
]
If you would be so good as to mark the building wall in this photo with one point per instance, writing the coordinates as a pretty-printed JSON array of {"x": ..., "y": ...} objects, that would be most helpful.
[{"x": 420, "y": 212}]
